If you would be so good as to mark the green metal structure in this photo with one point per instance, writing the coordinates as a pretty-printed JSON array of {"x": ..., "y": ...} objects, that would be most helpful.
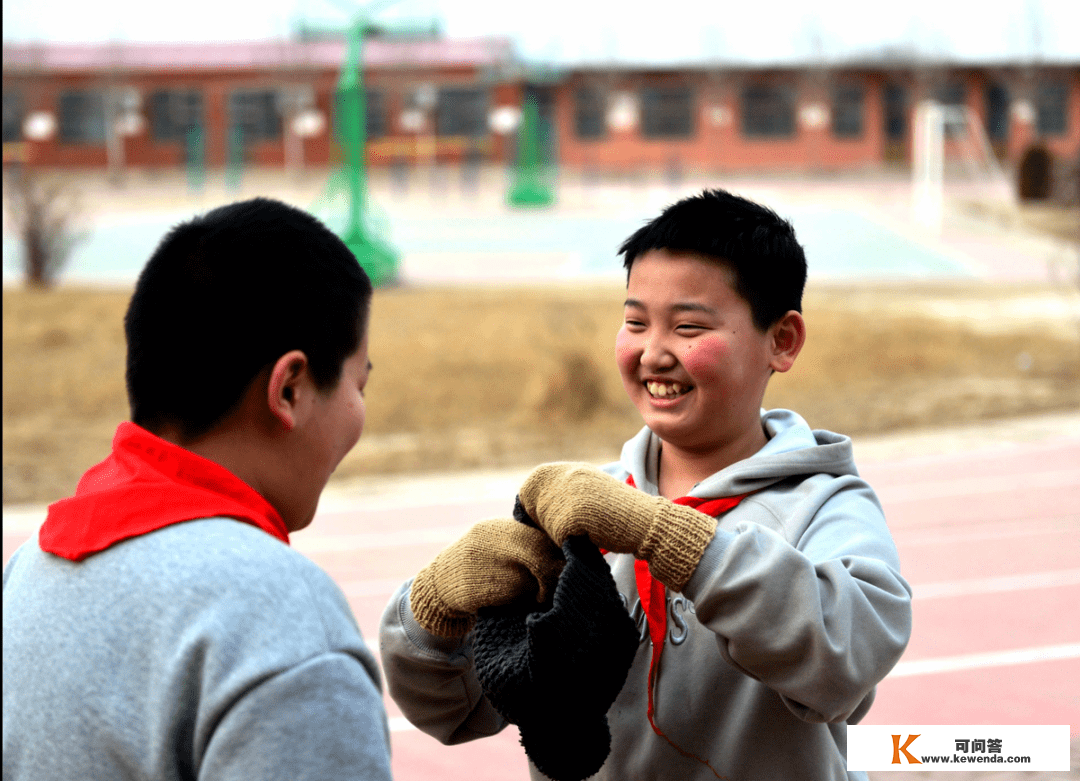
[
  {"x": 376, "y": 256},
  {"x": 529, "y": 187},
  {"x": 196, "y": 159}
]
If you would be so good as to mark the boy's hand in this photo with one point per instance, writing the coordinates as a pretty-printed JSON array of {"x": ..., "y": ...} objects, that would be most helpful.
[
  {"x": 494, "y": 563},
  {"x": 568, "y": 498}
]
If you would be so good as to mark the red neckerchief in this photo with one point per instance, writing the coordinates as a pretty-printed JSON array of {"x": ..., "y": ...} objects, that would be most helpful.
[
  {"x": 145, "y": 484},
  {"x": 651, "y": 591}
]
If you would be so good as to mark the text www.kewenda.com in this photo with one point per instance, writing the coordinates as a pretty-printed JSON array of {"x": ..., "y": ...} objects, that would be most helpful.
[{"x": 957, "y": 759}]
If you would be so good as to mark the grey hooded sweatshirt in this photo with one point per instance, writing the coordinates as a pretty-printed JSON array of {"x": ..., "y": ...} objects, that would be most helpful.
[
  {"x": 204, "y": 650},
  {"x": 795, "y": 612}
]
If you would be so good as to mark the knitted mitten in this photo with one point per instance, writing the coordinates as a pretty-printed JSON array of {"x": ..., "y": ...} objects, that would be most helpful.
[
  {"x": 555, "y": 669},
  {"x": 572, "y": 498},
  {"x": 494, "y": 563}
]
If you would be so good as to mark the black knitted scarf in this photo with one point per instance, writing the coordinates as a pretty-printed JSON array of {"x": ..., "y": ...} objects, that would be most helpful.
[{"x": 555, "y": 669}]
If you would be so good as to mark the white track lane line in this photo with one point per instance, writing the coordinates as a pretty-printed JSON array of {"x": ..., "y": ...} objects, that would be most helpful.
[
  {"x": 1024, "y": 482},
  {"x": 997, "y": 585},
  {"x": 948, "y": 664}
]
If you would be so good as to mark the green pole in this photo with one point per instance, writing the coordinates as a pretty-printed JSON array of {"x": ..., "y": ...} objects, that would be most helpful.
[
  {"x": 196, "y": 159},
  {"x": 529, "y": 188},
  {"x": 234, "y": 170},
  {"x": 353, "y": 130},
  {"x": 376, "y": 257}
]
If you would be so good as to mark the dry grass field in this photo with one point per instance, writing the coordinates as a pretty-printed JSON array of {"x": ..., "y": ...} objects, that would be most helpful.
[{"x": 491, "y": 377}]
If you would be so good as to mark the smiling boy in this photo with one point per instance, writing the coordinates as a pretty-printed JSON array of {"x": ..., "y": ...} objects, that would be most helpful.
[
  {"x": 159, "y": 626},
  {"x": 756, "y": 562}
]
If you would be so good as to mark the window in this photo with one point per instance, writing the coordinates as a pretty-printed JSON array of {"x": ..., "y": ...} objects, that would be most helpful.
[
  {"x": 667, "y": 112},
  {"x": 256, "y": 114},
  {"x": 590, "y": 120},
  {"x": 768, "y": 111},
  {"x": 13, "y": 115},
  {"x": 375, "y": 113},
  {"x": 82, "y": 117},
  {"x": 175, "y": 112},
  {"x": 1051, "y": 99},
  {"x": 847, "y": 111},
  {"x": 895, "y": 108},
  {"x": 461, "y": 112},
  {"x": 997, "y": 112},
  {"x": 952, "y": 93}
]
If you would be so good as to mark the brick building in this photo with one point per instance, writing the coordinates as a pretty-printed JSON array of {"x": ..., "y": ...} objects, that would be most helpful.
[
  {"x": 147, "y": 105},
  {"x": 437, "y": 100}
]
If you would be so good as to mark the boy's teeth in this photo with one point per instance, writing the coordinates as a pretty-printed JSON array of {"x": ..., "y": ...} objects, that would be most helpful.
[{"x": 664, "y": 389}]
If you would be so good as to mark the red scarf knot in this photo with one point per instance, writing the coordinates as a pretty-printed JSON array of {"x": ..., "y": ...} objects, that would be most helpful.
[{"x": 145, "y": 484}]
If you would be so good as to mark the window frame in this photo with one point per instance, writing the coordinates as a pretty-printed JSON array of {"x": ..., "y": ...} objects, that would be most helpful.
[
  {"x": 1043, "y": 90},
  {"x": 848, "y": 117},
  {"x": 269, "y": 127},
  {"x": 193, "y": 109},
  {"x": 666, "y": 112},
  {"x": 590, "y": 113},
  {"x": 92, "y": 98},
  {"x": 456, "y": 122},
  {"x": 778, "y": 122}
]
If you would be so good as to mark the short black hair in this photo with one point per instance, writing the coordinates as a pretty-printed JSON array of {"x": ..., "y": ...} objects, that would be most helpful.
[
  {"x": 759, "y": 246},
  {"x": 224, "y": 296}
]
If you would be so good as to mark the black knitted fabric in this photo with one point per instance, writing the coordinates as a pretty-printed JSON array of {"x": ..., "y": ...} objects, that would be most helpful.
[{"x": 555, "y": 669}]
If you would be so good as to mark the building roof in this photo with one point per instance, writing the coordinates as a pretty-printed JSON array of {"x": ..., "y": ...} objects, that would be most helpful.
[{"x": 255, "y": 55}]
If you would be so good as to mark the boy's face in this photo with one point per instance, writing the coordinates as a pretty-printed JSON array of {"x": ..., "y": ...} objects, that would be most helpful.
[
  {"x": 690, "y": 356},
  {"x": 333, "y": 428}
]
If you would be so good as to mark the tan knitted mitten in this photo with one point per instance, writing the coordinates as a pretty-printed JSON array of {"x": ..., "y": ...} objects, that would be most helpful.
[
  {"x": 567, "y": 498},
  {"x": 494, "y": 563}
]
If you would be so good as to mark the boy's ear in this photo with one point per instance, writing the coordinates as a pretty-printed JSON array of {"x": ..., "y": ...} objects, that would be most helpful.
[
  {"x": 788, "y": 337},
  {"x": 287, "y": 386}
]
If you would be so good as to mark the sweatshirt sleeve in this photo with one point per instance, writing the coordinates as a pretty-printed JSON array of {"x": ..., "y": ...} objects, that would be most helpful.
[
  {"x": 322, "y": 720},
  {"x": 819, "y": 613},
  {"x": 432, "y": 679}
]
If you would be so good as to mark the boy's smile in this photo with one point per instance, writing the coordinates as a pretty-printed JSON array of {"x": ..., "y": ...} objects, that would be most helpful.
[
  {"x": 662, "y": 389},
  {"x": 690, "y": 356}
]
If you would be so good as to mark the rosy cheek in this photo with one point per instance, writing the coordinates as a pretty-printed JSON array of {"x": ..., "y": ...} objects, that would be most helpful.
[
  {"x": 627, "y": 350},
  {"x": 704, "y": 356}
]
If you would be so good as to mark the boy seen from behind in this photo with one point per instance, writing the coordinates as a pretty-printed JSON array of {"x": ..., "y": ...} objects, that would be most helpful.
[
  {"x": 159, "y": 626},
  {"x": 755, "y": 560}
]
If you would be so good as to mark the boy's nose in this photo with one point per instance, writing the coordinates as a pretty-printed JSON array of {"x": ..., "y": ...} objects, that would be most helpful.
[{"x": 656, "y": 355}]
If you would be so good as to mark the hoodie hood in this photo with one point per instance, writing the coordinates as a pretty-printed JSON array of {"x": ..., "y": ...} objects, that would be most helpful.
[{"x": 792, "y": 449}]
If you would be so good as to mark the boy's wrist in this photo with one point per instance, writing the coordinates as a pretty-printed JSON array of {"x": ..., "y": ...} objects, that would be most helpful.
[
  {"x": 431, "y": 611},
  {"x": 675, "y": 542}
]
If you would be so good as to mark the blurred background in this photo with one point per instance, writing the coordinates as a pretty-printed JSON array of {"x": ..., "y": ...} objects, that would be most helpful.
[
  {"x": 484, "y": 160},
  {"x": 486, "y": 164}
]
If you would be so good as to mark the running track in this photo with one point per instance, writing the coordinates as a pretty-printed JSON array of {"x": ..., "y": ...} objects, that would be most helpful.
[{"x": 989, "y": 537}]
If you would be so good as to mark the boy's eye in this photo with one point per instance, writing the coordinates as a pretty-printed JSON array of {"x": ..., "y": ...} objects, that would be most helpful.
[{"x": 689, "y": 328}]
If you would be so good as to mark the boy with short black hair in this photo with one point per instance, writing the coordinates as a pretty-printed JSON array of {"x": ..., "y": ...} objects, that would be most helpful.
[
  {"x": 159, "y": 626},
  {"x": 748, "y": 549}
]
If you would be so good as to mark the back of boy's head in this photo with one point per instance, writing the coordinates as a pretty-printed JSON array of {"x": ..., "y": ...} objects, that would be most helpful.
[
  {"x": 224, "y": 296},
  {"x": 768, "y": 264}
]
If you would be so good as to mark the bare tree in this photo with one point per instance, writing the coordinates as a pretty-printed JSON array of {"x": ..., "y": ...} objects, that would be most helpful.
[{"x": 41, "y": 211}]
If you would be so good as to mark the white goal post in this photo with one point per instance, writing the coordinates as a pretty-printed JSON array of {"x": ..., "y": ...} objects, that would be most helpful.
[{"x": 978, "y": 170}]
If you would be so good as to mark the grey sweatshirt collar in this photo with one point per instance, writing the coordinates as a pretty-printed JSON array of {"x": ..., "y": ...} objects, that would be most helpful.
[{"x": 793, "y": 449}]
